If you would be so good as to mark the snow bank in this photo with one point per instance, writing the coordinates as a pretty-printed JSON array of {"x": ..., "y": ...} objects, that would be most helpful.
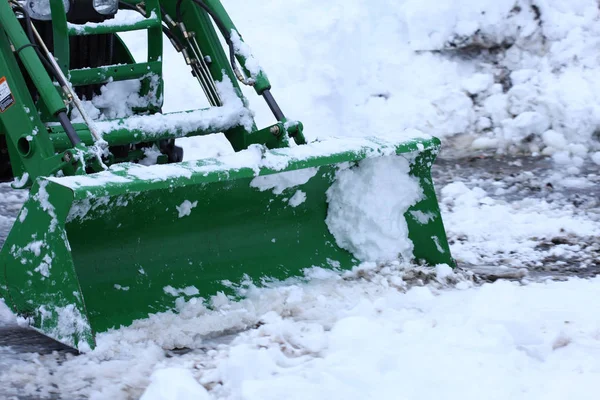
[
  {"x": 502, "y": 73},
  {"x": 508, "y": 75}
]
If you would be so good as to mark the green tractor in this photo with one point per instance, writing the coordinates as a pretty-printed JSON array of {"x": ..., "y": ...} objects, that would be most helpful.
[{"x": 104, "y": 239}]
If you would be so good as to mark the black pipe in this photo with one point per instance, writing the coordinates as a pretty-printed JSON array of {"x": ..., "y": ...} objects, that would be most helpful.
[{"x": 273, "y": 105}]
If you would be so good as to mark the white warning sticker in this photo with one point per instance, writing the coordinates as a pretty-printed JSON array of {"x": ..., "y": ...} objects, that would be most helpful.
[{"x": 6, "y": 97}]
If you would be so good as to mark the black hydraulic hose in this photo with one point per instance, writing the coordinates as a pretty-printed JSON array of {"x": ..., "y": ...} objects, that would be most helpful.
[
  {"x": 174, "y": 39},
  {"x": 69, "y": 129},
  {"x": 226, "y": 34},
  {"x": 178, "y": 11}
]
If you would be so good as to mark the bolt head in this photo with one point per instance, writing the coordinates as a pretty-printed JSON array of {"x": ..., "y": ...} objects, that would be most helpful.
[{"x": 275, "y": 130}]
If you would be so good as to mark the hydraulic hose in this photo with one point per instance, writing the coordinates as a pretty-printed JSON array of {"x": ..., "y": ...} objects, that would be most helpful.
[{"x": 226, "y": 34}]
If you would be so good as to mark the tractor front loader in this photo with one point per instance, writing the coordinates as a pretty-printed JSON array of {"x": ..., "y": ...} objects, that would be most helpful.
[{"x": 105, "y": 239}]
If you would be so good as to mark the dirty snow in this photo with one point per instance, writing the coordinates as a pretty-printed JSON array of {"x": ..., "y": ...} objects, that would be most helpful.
[{"x": 492, "y": 230}]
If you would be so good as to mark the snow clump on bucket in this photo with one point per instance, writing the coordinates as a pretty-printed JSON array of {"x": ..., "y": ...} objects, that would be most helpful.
[{"x": 367, "y": 206}]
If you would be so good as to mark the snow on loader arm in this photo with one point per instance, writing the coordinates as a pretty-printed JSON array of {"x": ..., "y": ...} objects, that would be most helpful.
[{"x": 104, "y": 239}]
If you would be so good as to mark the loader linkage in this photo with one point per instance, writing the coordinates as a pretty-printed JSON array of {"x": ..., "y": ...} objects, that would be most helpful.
[{"x": 104, "y": 240}]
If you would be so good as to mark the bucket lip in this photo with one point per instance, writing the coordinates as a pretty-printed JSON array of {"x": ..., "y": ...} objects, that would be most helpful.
[{"x": 255, "y": 161}]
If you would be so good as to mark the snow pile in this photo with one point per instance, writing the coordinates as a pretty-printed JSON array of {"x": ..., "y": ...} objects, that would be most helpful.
[
  {"x": 510, "y": 75},
  {"x": 452, "y": 23},
  {"x": 542, "y": 75},
  {"x": 367, "y": 206}
]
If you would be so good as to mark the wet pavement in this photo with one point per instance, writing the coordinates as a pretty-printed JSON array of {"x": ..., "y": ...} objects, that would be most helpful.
[{"x": 535, "y": 178}]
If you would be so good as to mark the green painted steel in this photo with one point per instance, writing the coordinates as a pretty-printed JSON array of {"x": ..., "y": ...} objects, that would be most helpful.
[
  {"x": 31, "y": 150},
  {"x": 151, "y": 22},
  {"x": 124, "y": 136},
  {"x": 92, "y": 76},
  {"x": 92, "y": 253}
]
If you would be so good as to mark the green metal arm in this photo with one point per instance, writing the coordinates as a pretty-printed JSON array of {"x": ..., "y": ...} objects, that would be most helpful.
[
  {"x": 37, "y": 147},
  {"x": 261, "y": 83},
  {"x": 31, "y": 150}
]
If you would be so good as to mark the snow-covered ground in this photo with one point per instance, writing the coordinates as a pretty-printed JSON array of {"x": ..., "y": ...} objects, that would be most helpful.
[{"x": 511, "y": 77}]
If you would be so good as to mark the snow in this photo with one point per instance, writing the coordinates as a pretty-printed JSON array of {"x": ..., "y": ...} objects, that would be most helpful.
[
  {"x": 116, "y": 100},
  {"x": 188, "y": 291},
  {"x": 367, "y": 206},
  {"x": 185, "y": 208},
  {"x": 23, "y": 215},
  {"x": 484, "y": 69},
  {"x": 298, "y": 198},
  {"x": 284, "y": 180},
  {"x": 43, "y": 199},
  {"x": 20, "y": 182},
  {"x": 44, "y": 267},
  {"x": 70, "y": 323},
  {"x": 6, "y": 316},
  {"x": 121, "y": 19},
  {"x": 492, "y": 231},
  {"x": 360, "y": 335},
  {"x": 242, "y": 49},
  {"x": 230, "y": 115},
  {"x": 256, "y": 158},
  {"x": 174, "y": 384}
]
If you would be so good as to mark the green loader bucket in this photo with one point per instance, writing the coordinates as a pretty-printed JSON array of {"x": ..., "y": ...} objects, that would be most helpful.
[{"x": 91, "y": 253}]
